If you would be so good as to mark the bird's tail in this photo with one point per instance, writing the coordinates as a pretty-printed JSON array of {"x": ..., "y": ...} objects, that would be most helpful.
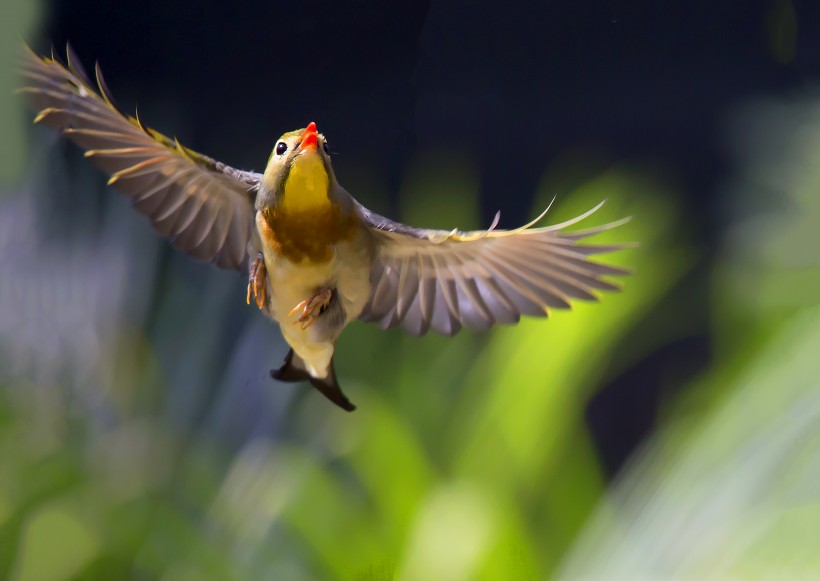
[{"x": 294, "y": 370}]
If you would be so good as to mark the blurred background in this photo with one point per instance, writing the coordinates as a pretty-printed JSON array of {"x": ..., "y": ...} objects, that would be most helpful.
[{"x": 672, "y": 430}]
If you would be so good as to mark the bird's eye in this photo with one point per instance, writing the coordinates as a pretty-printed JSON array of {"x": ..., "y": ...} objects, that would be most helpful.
[
  {"x": 281, "y": 148},
  {"x": 325, "y": 147}
]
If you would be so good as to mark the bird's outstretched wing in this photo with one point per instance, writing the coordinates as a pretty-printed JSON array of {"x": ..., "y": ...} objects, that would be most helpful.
[
  {"x": 439, "y": 280},
  {"x": 203, "y": 206}
]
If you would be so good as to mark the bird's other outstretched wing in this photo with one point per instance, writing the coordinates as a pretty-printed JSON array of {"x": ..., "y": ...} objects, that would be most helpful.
[
  {"x": 438, "y": 280},
  {"x": 203, "y": 206}
]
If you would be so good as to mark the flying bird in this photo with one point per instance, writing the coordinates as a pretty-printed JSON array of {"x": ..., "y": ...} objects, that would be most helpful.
[{"x": 316, "y": 258}]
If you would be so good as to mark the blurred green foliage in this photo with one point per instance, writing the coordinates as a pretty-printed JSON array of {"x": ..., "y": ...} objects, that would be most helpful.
[{"x": 18, "y": 18}]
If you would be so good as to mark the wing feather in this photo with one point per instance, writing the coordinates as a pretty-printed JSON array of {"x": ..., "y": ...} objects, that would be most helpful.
[
  {"x": 427, "y": 293},
  {"x": 446, "y": 317},
  {"x": 475, "y": 312},
  {"x": 407, "y": 287},
  {"x": 504, "y": 311},
  {"x": 550, "y": 280},
  {"x": 203, "y": 206}
]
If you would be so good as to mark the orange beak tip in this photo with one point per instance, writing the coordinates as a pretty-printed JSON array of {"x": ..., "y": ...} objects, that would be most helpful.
[
  {"x": 309, "y": 141},
  {"x": 309, "y": 137}
]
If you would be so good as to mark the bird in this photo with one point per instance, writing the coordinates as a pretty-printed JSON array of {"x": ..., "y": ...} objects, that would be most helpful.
[{"x": 317, "y": 259}]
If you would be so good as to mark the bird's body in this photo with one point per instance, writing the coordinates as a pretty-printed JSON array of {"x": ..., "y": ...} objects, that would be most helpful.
[
  {"x": 340, "y": 262},
  {"x": 317, "y": 259}
]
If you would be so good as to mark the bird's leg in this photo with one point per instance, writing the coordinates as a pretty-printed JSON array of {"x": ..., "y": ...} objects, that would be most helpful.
[
  {"x": 257, "y": 281},
  {"x": 312, "y": 307}
]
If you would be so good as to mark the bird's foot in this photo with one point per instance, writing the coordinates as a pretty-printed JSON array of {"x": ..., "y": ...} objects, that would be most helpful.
[
  {"x": 257, "y": 281},
  {"x": 312, "y": 307}
]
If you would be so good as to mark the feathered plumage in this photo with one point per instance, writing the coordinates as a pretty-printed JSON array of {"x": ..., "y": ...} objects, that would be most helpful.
[{"x": 203, "y": 206}]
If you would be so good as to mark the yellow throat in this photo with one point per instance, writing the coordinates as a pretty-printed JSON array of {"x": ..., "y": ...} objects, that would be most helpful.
[{"x": 306, "y": 187}]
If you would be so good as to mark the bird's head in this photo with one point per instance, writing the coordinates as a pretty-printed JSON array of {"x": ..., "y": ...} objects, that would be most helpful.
[{"x": 299, "y": 176}]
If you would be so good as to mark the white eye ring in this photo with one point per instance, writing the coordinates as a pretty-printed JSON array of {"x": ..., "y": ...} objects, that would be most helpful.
[{"x": 281, "y": 148}]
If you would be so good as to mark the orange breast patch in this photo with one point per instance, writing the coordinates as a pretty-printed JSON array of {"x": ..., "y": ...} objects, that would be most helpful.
[{"x": 307, "y": 236}]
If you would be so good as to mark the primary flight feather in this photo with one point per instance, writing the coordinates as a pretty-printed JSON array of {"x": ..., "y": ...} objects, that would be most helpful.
[{"x": 317, "y": 259}]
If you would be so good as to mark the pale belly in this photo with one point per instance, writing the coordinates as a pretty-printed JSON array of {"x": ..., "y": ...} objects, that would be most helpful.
[{"x": 347, "y": 273}]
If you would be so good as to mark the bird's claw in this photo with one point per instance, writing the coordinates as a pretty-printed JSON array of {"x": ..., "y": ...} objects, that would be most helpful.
[
  {"x": 257, "y": 281},
  {"x": 312, "y": 307}
]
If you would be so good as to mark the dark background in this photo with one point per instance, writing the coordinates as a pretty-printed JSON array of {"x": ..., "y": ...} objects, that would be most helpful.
[{"x": 515, "y": 84}]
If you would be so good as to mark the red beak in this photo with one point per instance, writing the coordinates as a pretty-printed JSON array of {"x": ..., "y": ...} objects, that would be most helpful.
[{"x": 309, "y": 137}]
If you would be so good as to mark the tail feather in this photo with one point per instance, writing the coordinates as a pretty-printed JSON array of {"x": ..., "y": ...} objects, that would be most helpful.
[{"x": 293, "y": 370}]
